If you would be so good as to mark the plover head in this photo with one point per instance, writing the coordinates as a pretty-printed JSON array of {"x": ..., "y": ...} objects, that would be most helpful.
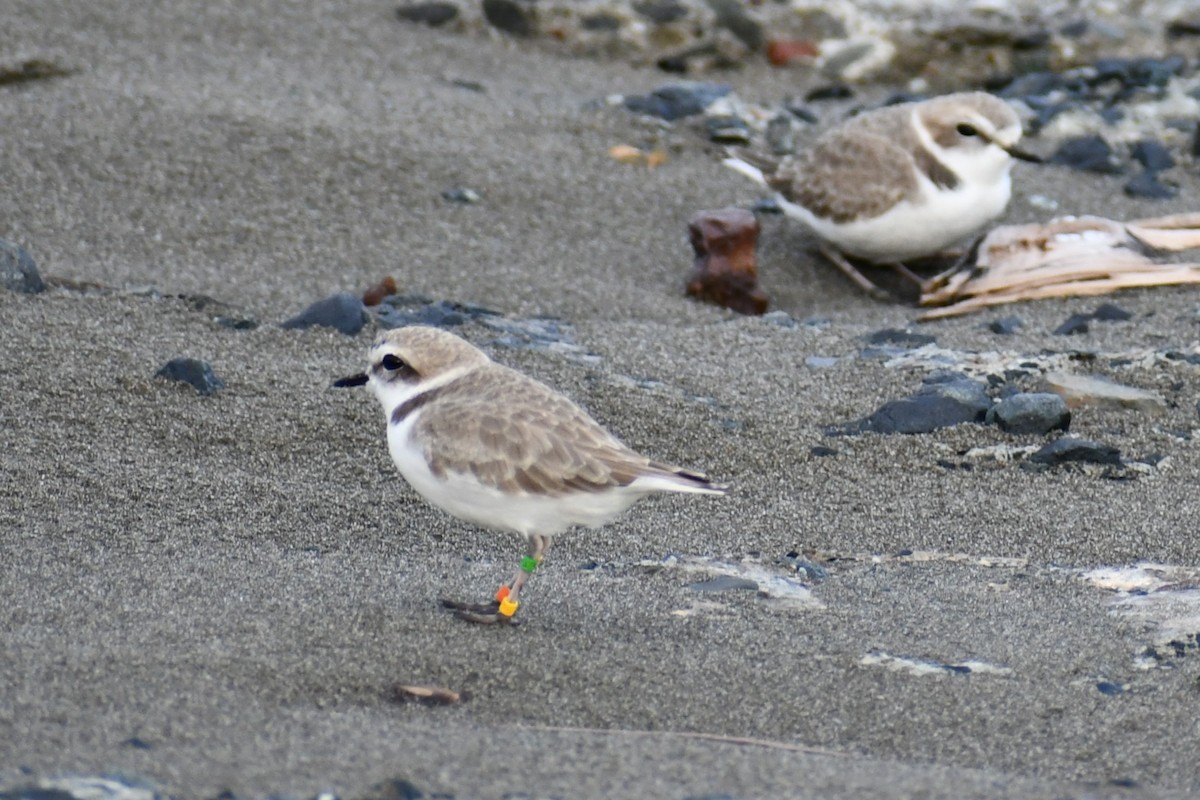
[
  {"x": 405, "y": 362},
  {"x": 975, "y": 134}
]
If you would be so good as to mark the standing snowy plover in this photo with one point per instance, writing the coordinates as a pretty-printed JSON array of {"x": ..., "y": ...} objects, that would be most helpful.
[
  {"x": 492, "y": 446},
  {"x": 900, "y": 182}
]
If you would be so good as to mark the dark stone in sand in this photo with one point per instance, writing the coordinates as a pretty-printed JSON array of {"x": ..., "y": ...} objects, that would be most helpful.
[
  {"x": 803, "y": 114},
  {"x": 1032, "y": 413},
  {"x": 18, "y": 272},
  {"x": 821, "y": 451},
  {"x": 1088, "y": 153},
  {"x": 600, "y": 22},
  {"x": 442, "y": 314},
  {"x": 1006, "y": 326},
  {"x": 731, "y": 15},
  {"x": 677, "y": 100},
  {"x": 661, "y": 11},
  {"x": 945, "y": 399},
  {"x": 724, "y": 583},
  {"x": 194, "y": 372},
  {"x": 343, "y": 312},
  {"x": 401, "y": 789},
  {"x": 1075, "y": 324},
  {"x": 727, "y": 130},
  {"x": 781, "y": 319},
  {"x": 461, "y": 194},
  {"x": 900, "y": 338},
  {"x": 510, "y": 16},
  {"x": 1152, "y": 154},
  {"x": 1111, "y": 312},
  {"x": 1149, "y": 186},
  {"x": 1184, "y": 27},
  {"x": 1068, "y": 448},
  {"x": 1110, "y": 688},
  {"x": 833, "y": 91},
  {"x": 432, "y": 13}
]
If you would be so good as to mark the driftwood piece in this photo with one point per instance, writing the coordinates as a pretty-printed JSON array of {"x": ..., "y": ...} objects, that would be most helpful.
[{"x": 1065, "y": 257}]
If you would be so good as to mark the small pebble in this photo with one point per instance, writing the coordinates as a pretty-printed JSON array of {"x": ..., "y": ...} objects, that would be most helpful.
[
  {"x": 948, "y": 400},
  {"x": 432, "y": 13},
  {"x": 1031, "y": 413},
  {"x": 510, "y": 16},
  {"x": 18, "y": 272},
  {"x": 821, "y": 451},
  {"x": 833, "y": 91},
  {"x": 900, "y": 338},
  {"x": 1148, "y": 185},
  {"x": 727, "y": 130},
  {"x": 1075, "y": 325},
  {"x": 194, "y": 372},
  {"x": 461, "y": 194},
  {"x": 661, "y": 11},
  {"x": 724, "y": 583},
  {"x": 732, "y": 15},
  {"x": 343, "y": 312},
  {"x": 1152, "y": 154},
  {"x": 1068, "y": 449},
  {"x": 1005, "y": 326},
  {"x": 677, "y": 100},
  {"x": 1111, "y": 312},
  {"x": 1088, "y": 153}
]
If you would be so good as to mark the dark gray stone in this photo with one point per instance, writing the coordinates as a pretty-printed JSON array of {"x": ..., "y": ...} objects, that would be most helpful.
[
  {"x": 194, "y": 372},
  {"x": 677, "y": 100},
  {"x": 732, "y": 15},
  {"x": 432, "y": 13},
  {"x": 510, "y": 16},
  {"x": 727, "y": 130},
  {"x": 1032, "y": 413},
  {"x": 1006, "y": 326},
  {"x": 441, "y": 314},
  {"x": 343, "y": 312},
  {"x": 724, "y": 583},
  {"x": 1068, "y": 449},
  {"x": 661, "y": 11},
  {"x": 1148, "y": 185},
  {"x": 1088, "y": 153},
  {"x": 1075, "y": 324},
  {"x": 461, "y": 194},
  {"x": 949, "y": 400},
  {"x": 900, "y": 338},
  {"x": 18, "y": 272},
  {"x": 1152, "y": 154},
  {"x": 1111, "y": 312}
]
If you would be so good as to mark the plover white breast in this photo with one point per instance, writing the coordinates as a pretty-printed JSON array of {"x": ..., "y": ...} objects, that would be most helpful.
[
  {"x": 497, "y": 448},
  {"x": 900, "y": 182}
]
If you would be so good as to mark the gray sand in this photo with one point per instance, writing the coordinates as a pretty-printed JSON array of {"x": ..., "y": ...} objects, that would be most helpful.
[{"x": 238, "y": 581}]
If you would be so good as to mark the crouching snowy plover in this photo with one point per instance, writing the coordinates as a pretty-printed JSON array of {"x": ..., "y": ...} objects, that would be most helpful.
[
  {"x": 492, "y": 446},
  {"x": 900, "y": 182}
]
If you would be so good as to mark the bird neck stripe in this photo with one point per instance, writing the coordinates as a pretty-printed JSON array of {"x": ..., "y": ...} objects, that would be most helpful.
[
  {"x": 436, "y": 387},
  {"x": 925, "y": 157}
]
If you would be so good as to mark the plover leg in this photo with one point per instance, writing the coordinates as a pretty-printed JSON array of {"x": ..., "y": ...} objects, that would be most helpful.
[
  {"x": 851, "y": 272},
  {"x": 501, "y": 610}
]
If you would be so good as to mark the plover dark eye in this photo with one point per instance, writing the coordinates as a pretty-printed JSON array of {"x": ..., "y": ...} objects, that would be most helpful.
[
  {"x": 394, "y": 363},
  {"x": 967, "y": 130}
]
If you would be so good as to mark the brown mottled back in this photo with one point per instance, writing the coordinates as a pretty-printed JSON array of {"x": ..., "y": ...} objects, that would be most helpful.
[{"x": 516, "y": 434}]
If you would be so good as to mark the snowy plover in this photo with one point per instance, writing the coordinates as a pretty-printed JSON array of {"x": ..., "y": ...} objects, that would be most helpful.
[
  {"x": 899, "y": 182},
  {"x": 492, "y": 446}
]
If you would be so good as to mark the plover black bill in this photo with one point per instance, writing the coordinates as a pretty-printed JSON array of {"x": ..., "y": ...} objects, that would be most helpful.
[
  {"x": 497, "y": 448},
  {"x": 900, "y": 182}
]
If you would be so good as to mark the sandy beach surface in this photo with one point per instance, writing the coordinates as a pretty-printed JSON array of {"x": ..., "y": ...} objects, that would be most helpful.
[{"x": 220, "y": 593}]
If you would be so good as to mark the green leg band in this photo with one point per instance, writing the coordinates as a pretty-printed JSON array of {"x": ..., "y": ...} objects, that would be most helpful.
[{"x": 529, "y": 564}]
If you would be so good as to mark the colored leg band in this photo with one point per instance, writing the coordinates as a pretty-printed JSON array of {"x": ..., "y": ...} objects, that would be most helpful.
[
  {"x": 508, "y": 607},
  {"x": 502, "y": 594},
  {"x": 529, "y": 564}
]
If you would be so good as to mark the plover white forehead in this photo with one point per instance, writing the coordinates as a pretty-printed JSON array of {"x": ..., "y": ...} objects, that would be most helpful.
[
  {"x": 497, "y": 448},
  {"x": 900, "y": 182}
]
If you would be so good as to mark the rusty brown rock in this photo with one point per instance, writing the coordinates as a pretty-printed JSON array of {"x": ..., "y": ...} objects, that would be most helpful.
[
  {"x": 725, "y": 271},
  {"x": 374, "y": 296}
]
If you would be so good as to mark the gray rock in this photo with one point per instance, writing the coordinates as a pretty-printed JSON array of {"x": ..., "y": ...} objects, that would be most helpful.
[
  {"x": 510, "y": 16},
  {"x": 343, "y": 312},
  {"x": 1068, "y": 449},
  {"x": 1075, "y": 324},
  {"x": 1035, "y": 413},
  {"x": 194, "y": 372},
  {"x": 461, "y": 194},
  {"x": 1088, "y": 153},
  {"x": 677, "y": 100},
  {"x": 18, "y": 272},
  {"x": 1006, "y": 326},
  {"x": 433, "y": 13},
  {"x": 1148, "y": 185},
  {"x": 946, "y": 400},
  {"x": 900, "y": 338},
  {"x": 724, "y": 583},
  {"x": 732, "y": 15}
]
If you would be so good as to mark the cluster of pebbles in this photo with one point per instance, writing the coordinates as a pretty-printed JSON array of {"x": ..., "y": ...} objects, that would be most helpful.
[{"x": 843, "y": 39}]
